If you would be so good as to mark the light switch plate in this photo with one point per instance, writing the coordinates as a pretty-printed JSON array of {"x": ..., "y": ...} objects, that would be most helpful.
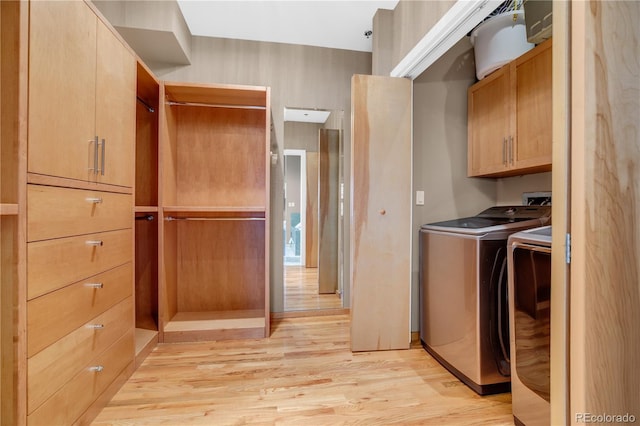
[{"x": 419, "y": 198}]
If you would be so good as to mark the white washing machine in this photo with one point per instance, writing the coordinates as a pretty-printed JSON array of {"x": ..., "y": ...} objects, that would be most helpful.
[{"x": 529, "y": 271}]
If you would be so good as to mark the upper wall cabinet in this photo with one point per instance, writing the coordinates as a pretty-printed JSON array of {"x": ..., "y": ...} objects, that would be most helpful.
[
  {"x": 81, "y": 79},
  {"x": 510, "y": 118}
]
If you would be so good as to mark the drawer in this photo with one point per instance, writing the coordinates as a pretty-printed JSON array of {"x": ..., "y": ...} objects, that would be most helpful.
[
  {"x": 53, "y": 264},
  {"x": 51, "y": 368},
  {"x": 54, "y": 212},
  {"x": 56, "y": 314},
  {"x": 74, "y": 397}
]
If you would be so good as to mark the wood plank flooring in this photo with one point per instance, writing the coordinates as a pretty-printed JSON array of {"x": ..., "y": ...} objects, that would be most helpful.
[
  {"x": 301, "y": 290},
  {"x": 304, "y": 374}
]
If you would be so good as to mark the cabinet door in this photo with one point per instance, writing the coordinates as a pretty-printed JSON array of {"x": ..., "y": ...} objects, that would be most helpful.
[
  {"x": 489, "y": 121},
  {"x": 380, "y": 213},
  {"x": 115, "y": 109},
  {"x": 62, "y": 61},
  {"x": 533, "y": 106}
]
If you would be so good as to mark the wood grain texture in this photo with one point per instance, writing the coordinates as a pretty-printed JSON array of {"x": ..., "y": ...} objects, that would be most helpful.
[
  {"x": 53, "y": 264},
  {"x": 380, "y": 213},
  {"x": 146, "y": 273},
  {"x": 328, "y": 205},
  {"x": 52, "y": 368},
  {"x": 60, "y": 212},
  {"x": 605, "y": 201},
  {"x": 301, "y": 291},
  {"x": 62, "y": 67},
  {"x": 115, "y": 109},
  {"x": 220, "y": 266},
  {"x": 217, "y": 94},
  {"x": 533, "y": 107},
  {"x": 560, "y": 211},
  {"x": 221, "y": 157},
  {"x": 304, "y": 373},
  {"x": 56, "y": 314},
  {"x": 146, "y": 156},
  {"x": 77, "y": 395},
  {"x": 312, "y": 234},
  {"x": 489, "y": 123}
]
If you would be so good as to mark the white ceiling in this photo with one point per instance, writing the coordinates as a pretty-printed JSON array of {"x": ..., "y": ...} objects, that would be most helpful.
[{"x": 339, "y": 24}]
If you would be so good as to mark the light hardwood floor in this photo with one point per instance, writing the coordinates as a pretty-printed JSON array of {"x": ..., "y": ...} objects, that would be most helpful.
[
  {"x": 304, "y": 374},
  {"x": 301, "y": 291}
]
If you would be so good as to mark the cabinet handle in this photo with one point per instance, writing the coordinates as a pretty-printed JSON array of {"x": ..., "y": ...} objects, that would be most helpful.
[
  {"x": 511, "y": 149},
  {"x": 96, "y": 368},
  {"x": 95, "y": 157},
  {"x": 383, "y": 212},
  {"x": 104, "y": 144},
  {"x": 94, "y": 200},
  {"x": 95, "y": 326},
  {"x": 504, "y": 151},
  {"x": 95, "y": 243},
  {"x": 94, "y": 285}
]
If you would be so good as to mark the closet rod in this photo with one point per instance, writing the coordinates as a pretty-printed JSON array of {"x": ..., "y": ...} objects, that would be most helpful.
[
  {"x": 170, "y": 218},
  {"x": 146, "y": 217},
  {"x": 259, "y": 107},
  {"x": 146, "y": 105}
]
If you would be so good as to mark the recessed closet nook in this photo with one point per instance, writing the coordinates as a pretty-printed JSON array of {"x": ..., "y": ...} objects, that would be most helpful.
[{"x": 133, "y": 211}]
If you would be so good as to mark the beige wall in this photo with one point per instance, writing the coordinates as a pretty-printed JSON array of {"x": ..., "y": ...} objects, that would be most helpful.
[
  {"x": 396, "y": 33},
  {"x": 440, "y": 149},
  {"x": 299, "y": 76},
  {"x": 509, "y": 190}
]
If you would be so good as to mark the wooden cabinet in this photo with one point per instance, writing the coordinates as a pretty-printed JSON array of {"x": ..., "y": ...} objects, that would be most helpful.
[
  {"x": 509, "y": 117},
  {"x": 81, "y": 83},
  {"x": 214, "y": 240},
  {"x": 146, "y": 213},
  {"x": 67, "y": 153},
  {"x": 381, "y": 213}
]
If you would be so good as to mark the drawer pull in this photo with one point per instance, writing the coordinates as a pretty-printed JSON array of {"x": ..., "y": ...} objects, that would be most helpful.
[
  {"x": 94, "y": 200},
  {"x": 95, "y": 243},
  {"x": 95, "y": 326},
  {"x": 96, "y": 368},
  {"x": 94, "y": 285}
]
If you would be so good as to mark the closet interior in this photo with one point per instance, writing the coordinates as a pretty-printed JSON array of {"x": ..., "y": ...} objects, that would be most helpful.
[{"x": 214, "y": 241}]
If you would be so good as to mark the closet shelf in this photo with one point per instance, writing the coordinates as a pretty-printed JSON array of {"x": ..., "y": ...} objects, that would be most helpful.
[
  {"x": 214, "y": 212},
  {"x": 146, "y": 209},
  {"x": 214, "y": 325}
]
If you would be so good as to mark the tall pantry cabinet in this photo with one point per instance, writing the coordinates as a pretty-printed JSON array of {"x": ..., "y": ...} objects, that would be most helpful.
[
  {"x": 214, "y": 202},
  {"x": 74, "y": 135}
]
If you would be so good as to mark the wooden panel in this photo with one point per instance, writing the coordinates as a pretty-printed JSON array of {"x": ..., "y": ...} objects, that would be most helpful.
[
  {"x": 560, "y": 212},
  {"x": 115, "y": 109},
  {"x": 312, "y": 215},
  {"x": 146, "y": 284},
  {"x": 8, "y": 307},
  {"x": 168, "y": 153},
  {"x": 76, "y": 396},
  {"x": 533, "y": 106},
  {"x": 62, "y": 68},
  {"x": 217, "y": 94},
  {"x": 221, "y": 157},
  {"x": 146, "y": 156},
  {"x": 55, "y": 263},
  {"x": 605, "y": 200},
  {"x": 50, "y": 369},
  {"x": 168, "y": 280},
  {"x": 380, "y": 213},
  {"x": 328, "y": 200},
  {"x": 489, "y": 125},
  {"x": 220, "y": 265},
  {"x": 54, "y": 315},
  {"x": 57, "y": 212}
]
